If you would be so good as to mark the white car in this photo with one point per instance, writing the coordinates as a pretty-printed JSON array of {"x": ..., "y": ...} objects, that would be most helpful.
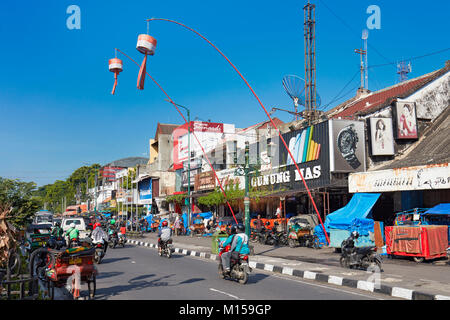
[{"x": 80, "y": 224}]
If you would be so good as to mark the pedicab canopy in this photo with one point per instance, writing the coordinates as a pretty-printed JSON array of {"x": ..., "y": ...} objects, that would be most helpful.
[{"x": 355, "y": 216}]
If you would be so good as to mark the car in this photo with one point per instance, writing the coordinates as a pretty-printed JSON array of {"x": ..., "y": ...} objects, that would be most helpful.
[
  {"x": 80, "y": 224},
  {"x": 43, "y": 217}
]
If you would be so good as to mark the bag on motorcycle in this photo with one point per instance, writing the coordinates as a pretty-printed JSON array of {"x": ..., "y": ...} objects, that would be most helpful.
[{"x": 235, "y": 255}]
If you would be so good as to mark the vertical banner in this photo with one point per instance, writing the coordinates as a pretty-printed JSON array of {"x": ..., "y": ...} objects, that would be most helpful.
[{"x": 145, "y": 191}]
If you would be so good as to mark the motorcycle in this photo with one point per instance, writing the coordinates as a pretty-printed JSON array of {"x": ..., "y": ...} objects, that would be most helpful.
[
  {"x": 121, "y": 239},
  {"x": 363, "y": 258},
  {"x": 113, "y": 239},
  {"x": 239, "y": 268},
  {"x": 99, "y": 251},
  {"x": 165, "y": 248}
]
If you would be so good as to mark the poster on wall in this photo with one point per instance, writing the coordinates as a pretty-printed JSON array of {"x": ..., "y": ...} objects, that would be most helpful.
[
  {"x": 347, "y": 146},
  {"x": 406, "y": 120},
  {"x": 381, "y": 136}
]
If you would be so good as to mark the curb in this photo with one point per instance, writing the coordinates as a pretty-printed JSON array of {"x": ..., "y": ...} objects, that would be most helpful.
[{"x": 396, "y": 292}]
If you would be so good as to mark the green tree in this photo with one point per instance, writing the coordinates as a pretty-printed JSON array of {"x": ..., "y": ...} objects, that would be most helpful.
[{"x": 18, "y": 196}]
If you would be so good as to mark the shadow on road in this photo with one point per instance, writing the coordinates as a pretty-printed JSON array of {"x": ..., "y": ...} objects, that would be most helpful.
[
  {"x": 192, "y": 280},
  {"x": 103, "y": 275},
  {"x": 255, "y": 278},
  {"x": 110, "y": 260}
]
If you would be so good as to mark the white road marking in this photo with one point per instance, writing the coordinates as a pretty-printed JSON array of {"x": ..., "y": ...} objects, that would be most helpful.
[
  {"x": 228, "y": 294},
  {"x": 326, "y": 287}
]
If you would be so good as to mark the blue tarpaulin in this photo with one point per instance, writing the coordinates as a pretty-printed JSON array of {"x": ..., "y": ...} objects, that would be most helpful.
[
  {"x": 443, "y": 208},
  {"x": 352, "y": 217}
]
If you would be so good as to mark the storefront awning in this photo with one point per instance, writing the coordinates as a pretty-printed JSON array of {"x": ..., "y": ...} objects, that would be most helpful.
[{"x": 443, "y": 208}]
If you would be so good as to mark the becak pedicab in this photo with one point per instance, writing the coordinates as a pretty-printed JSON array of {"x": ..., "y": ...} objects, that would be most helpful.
[
  {"x": 75, "y": 263},
  {"x": 301, "y": 232}
]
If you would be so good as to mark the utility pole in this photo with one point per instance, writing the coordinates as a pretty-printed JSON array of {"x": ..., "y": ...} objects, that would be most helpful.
[
  {"x": 361, "y": 53},
  {"x": 246, "y": 197}
]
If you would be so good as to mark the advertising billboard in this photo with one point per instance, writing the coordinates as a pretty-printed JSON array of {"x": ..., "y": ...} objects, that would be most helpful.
[
  {"x": 208, "y": 133},
  {"x": 347, "y": 146},
  {"x": 405, "y": 113},
  {"x": 310, "y": 149},
  {"x": 145, "y": 191},
  {"x": 381, "y": 136}
]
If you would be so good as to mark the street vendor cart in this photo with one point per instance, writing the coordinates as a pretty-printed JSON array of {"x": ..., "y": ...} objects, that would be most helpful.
[
  {"x": 300, "y": 231},
  {"x": 420, "y": 241}
]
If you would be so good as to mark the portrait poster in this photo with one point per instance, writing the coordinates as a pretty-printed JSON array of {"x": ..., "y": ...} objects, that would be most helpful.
[
  {"x": 406, "y": 120},
  {"x": 381, "y": 136}
]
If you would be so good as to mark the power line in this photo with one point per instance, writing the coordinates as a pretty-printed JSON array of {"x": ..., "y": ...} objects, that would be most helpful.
[
  {"x": 409, "y": 59},
  {"x": 345, "y": 94},
  {"x": 334, "y": 99}
]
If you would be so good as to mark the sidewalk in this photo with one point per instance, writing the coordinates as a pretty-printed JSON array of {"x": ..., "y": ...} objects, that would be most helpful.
[{"x": 400, "y": 277}]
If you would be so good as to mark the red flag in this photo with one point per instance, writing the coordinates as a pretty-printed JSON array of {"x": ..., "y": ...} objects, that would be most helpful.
[{"x": 141, "y": 77}]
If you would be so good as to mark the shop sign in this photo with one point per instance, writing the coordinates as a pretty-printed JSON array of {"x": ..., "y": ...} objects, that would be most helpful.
[
  {"x": 403, "y": 179},
  {"x": 205, "y": 181}
]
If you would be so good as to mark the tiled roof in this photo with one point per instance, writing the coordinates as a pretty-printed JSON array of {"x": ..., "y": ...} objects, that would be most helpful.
[{"x": 384, "y": 97}]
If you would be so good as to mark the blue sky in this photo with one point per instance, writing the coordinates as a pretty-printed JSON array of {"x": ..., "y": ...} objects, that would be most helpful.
[{"x": 57, "y": 112}]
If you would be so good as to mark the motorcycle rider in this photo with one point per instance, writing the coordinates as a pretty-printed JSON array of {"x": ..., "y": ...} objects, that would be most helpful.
[
  {"x": 57, "y": 231},
  {"x": 350, "y": 245},
  {"x": 98, "y": 234},
  {"x": 238, "y": 242},
  {"x": 73, "y": 234},
  {"x": 164, "y": 235}
]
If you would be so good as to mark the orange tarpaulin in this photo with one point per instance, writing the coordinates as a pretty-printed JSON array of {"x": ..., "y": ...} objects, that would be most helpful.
[{"x": 406, "y": 239}]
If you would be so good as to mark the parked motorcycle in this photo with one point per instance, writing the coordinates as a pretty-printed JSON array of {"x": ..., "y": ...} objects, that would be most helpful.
[
  {"x": 165, "y": 248},
  {"x": 239, "y": 268},
  {"x": 362, "y": 258}
]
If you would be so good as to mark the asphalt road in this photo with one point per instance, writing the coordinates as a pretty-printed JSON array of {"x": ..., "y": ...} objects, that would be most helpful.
[{"x": 138, "y": 273}]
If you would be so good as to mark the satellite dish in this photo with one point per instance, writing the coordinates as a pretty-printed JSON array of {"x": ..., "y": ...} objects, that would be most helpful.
[{"x": 295, "y": 88}]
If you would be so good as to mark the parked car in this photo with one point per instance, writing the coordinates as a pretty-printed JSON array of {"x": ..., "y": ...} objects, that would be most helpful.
[{"x": 80, "y": 224}]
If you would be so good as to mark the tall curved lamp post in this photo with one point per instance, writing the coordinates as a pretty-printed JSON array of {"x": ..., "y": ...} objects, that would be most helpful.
[
  {"x": 115, "y": 65},
  {"x": 261, "y": 104}
]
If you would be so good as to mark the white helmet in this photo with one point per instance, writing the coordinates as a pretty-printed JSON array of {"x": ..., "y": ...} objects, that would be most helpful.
[{"x": 72, "y": 225}]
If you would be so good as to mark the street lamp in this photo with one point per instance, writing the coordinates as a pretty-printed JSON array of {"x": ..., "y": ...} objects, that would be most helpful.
[{"x": 189, "y": 159}]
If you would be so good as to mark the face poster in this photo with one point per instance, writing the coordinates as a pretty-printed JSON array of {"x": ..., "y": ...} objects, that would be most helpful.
[
  {"x": 406, "y": 120},
  {"x": 382, "y": 136}
]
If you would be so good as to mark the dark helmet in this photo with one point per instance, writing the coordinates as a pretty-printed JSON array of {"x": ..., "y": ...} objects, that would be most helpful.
[
  {"x": 233, "y": 230},
  {"x": 51, "y": 243},
  {"x": 57, "y": 224},
  {"x": 240, "y": 227}
]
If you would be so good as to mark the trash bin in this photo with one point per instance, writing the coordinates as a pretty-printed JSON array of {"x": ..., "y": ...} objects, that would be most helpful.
[{"x": 217, "y": 238}]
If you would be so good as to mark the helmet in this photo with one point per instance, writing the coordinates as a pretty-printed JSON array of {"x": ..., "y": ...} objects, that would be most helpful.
[
  {"x": 97, "y": 224},
  {"x": 240, "y": 227},
  {"x": 72, "y": 225},
  {"x": 233, "y": 230},
  {"x": 57, "y": 224},
  {"x": 112, "y": 221},
  {"x": 164, "y": 223},
  {"x": 355, "y": 234},
  {"x": 51, "y": 243}
]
